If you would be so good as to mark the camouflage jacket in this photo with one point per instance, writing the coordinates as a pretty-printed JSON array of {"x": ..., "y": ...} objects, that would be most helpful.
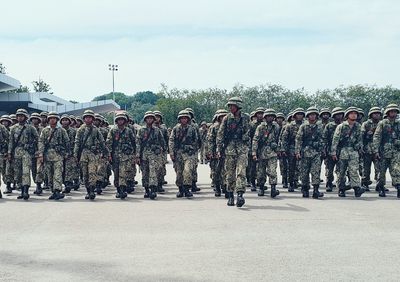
[
  {"x": 367, "y": 132},
  {"x": 386, "y": 138},
  {"x": 288, "y": 138},
  {"x": 27, "y": 142},
  {"x": 149, "y": 141},
  {"x": 309, "y": 140},
  {"x": 121, "y": 144},
  {"x": 95, "y": 142},
  {"x": 327, "y": 136},
  {"x": 346, "y": 140},
  {"x": 53, "y": 143},
  {"x": 184, "y": 140},
  {"x": 233, "y": 135},
  {"x": 212, "y": 139},
  {"x": 265, "y": 140},
  {"x": 71, "y": 132},
  {"x": 164, "y": 132},
  {"x": 4, "y": 139}
]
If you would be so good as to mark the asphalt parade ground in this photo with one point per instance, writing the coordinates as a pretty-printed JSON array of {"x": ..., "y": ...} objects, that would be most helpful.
[{"x": 200, "y": 239}]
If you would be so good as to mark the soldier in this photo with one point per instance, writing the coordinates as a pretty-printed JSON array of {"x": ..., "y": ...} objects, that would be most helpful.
[
  {"x": 89, "y": 149},
  {"x": 203, "y": 136},
  {"x": 70, "y": 171},
  {"x": 37, "y": 175},
  {"x": 288, "y": 139},
  {"x": 325, "y": 117},
  {"x": 264, "y": 150},
  {"x": 150, "y": 145},
  {"x": 308, "y": 150},
  {"x": 216, "y": 165},
  {"x": 253, "y": 118},
  {"x": 121, "y": 144},
  {"x": 21, "y": 149},
  {"x": 43, "y": 117},
  {"x": 183, "y": 148},
  {"x": 195, "y": 125},
  {"x": 367, "y": 131},
  {"x": 346, "y": 145},
  {"x": 259, "y": 117},
  {"x": 386, "y": 147},
  {"x": 280, "y": 120},
  {"x": 5, "y": 121},
  {"x": 233, "y": 142},
  {"x": 13, "y": 118},
  {"x": 283, "y": 154},
  {"x": 53, "y": 146},
  {"x": 79, "y": 122},
  {"x": 327, "y": 137},
  {"x": 4, "y": 137},
  {"x": 102, "y": 172},
  {"x": 163, "y": 171},
  {"x": 131, "y": 182}
]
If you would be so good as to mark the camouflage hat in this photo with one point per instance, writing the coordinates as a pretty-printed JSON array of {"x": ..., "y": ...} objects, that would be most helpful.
[
  {"x": 392, "y": 107},
  {"x": 22, "y": 112},
  {"x": 158, "y": 113},
  {"x": 350, "y": 110},
  {"x": 53, "y": 115},
  {"x": 337, "y": 110},
  {"x": 78, "y": 118},
  {"x": 312, "y": 110},
  {"x": 88, "y": 113},
  {"x": 44, "y": 114},
  {"x": 120, "y": 116},
  {"x": 5, "y": 118},
  {"x": 184, "y": 113},
  {"x": 259, "y": 110},
  {"x": 299, "y": 111},
  {"x": 269, "y": 112},
  {"x": 190, "y": 111},
  {"x": 221, "y": 112},
  {"x": 252, "y": 114},
  {"x": 203, "y": 123},
  {"x": 148, "y": 114},
  {"x": 325, "y": 111},
  {"x": 237, "y": 101},
  {"x": 13, "y": 116},
  {"x": 374, "y": 110},
  {"x": 289, "y": 116},
  {"x": 98, "y": 116},
  {"x": 72, "y": 117},
  {"x": 360, "y": 111},
  {"x": 67, "y": 117},
  {"x": 280, "y": 115},
  {"x": 35, "y": 115}
]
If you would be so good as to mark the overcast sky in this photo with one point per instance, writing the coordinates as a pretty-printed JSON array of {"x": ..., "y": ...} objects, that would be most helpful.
[{"x": 199, "y": 44}]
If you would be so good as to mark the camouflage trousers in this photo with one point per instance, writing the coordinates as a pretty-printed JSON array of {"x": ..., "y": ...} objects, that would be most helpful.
[
  {"x": 283, "y": 167},
  {"x": 163, "y": 169},
  {"x": 22, "y": 163},
  {"x": 40, "y": 173},
  {"x": 330, "y": 166},
  {"x": 235, "y": 170},
  {"x": 54, "y": 170},
  {"x": 9, "y": 173},
  {"x": 293, "y": 168},
  {"x": 393, "y": 164},
  {"x": 203, "y": 155},
  {"x": 121, "y": 168},
  {"x": 90, "y": 164},
  {"x": 150, "y": 165},
  {"x": 102, "y": 170},
  {"x": 34, "y": 168},
  {"x": 348, "y": 167},
  {"x": 310, "y": 165},
  {"x": 267, "y": 167},
  {"x": 71, "y": 169},
  {"x": 185, "y": 167},
  {"x": 217, "y": 171},
  {"x": 368, "y": 160},
  {"x": 2, "y": 168}
]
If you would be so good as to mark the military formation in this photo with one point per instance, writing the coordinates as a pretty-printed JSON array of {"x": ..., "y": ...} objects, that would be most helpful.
[{"x": 61, "y": 153}]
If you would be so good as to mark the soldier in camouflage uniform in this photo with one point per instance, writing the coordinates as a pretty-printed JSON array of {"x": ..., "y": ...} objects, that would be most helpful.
[
  {"x": 252, "y": 164},
  {"x": 367, "y": 131},
  {"x": 37, "y": 175},
  {"x": 283, "y": 158},
  {"x": 183, "y": 148},
  {"x": 121, "y": 144},
  {"x": 21, "y": 149},
  {"x": 6, "y": 172},
  {"x": 89, "y": 149},
  {"x": 233, "y": 142},
  {"x": 327, "y": 137},
  {"x": 288, "y": 139},
  {"x": 102, "y": 172},
  {"x": 4, "y": 138},
  {"x": 308, "y": 150},
  {"x": 216, "y": 165},
  {"x": 163, "y": 171},
  {"x": 203, "y": 136},
  {"x": 42, "y": 176},
  {"x": 386, "y": 147},
  {"x": 53, "y": 146},
  {"x": 346, "y": 145},
  {"x": 70, "y": 172},
  {"x": 264, "y": 151},
  {"x": 131, "y": 182},
  {"x": 150, "y": 145},
  {"x": 196, "y": 126},
  {"x": 324, "y": 118}
]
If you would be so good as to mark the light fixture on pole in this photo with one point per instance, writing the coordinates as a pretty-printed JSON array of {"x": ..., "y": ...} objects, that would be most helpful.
[{"x": 113, "y": 68}]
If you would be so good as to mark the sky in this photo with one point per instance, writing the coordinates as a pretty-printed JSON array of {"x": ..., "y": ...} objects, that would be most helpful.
[{"x": 197, "y": 44}]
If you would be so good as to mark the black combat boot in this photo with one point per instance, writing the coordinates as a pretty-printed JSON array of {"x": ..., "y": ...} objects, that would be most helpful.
[
  {"x": 217, "y": 190},
  {"x": 92, "y": 194},
  {"x": 25, "y": 190},
  {"x": 342, "y": 192},
  {"x": 274, "y": 192},
  {"x": 261, "y": 191},
  {"x": 68, "y": 187},
  {"x": 231, "y": 199},
  {"x": 223, "y": 187},
  {"x": 98, "y": 188},
  {"x": 164, "y": 182},
  {"x": 329, "y": 186},
  {"x": 160, "y": 189},
  {"x": 305, "y": 191},
  {"x": 358, "y": 191},
  {"x": 285, "y": 182},
  {"x": 21, "y": 196},
  {"x": 153, "y": 192},
  {"x": 180, "y": 192},
  {"x": 1, "y": 195},
  {"x": 364, "y": 184},
  {"x": 77, "y": 184},
  {"x": 52, "y": 196},
  {"x": 130, "y": 187},
  {"x": 58, "y": 195},
  {"x": 316, "y": 193},
  {"x": 123, "y": 193},
  {"x": 8, "y": 188},
  {"x": 240, "y": 200},
  {"x": 188, "y": 194},
  {"x": 195, "y": 189},
  {"x": 382, "y": 192},
  {"x": 398, "y": 190},
  {"x": 118, "y": 194},
  {"x": 291, "y": 187},
  {"x": 253, "y": 186},
  {"x": 146, "y": 192},
  {"x": 87, "y": 197},
  {"x": 39, "y": 189}
]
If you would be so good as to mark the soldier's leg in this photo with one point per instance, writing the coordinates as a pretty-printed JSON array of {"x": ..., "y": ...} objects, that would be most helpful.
[
  {"x": 384, "y": 164},
  {"x": 154, "y": 165},
  {"x": 354, "y": 176},
  {"x": 144, "y": 165},
  {"x": 34, "y": 168},
  {"x": 49, "y": 172},
  {"x": 341, "y": 176},
  {"x": 394, "y": 170},
  {"x": 376, "y": 168},
  {"x": 367, "y": 163},
  {"x": 329, "y": 169},
  {"x": 291, "y": 172},
  {"x": 122, "y": 175},
  {"x": 272, "y": 167},
  {"x": 305, "y": 169},
  {"x": 230, "y": 169},
  {"x": 241, "y": 164},
  {"x": 57, "y": 170},
  {"x": 178, "y": 166},
  {"x": 315, "y": 171},
  {"x": 189, "y": 166},
  {"x": 261, "y": 176},
  {"x": 248, "y": 169}
]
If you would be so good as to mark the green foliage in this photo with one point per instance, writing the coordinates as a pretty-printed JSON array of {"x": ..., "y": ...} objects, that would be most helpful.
[
  {"x": 41, "y": 86},
  {"x": 21, "y": 89}
]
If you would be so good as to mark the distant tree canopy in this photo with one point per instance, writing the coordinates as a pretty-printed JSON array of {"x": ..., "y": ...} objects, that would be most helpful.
[
  {"x": 206, "y": 101},
  {"x": 41, "y": 86}
]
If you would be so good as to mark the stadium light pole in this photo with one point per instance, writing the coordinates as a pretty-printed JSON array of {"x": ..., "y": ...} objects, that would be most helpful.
[{"x": 113, "y": 69}]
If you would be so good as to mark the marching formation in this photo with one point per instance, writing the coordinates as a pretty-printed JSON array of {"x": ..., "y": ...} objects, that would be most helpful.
[{"x": 242, "y": 150}]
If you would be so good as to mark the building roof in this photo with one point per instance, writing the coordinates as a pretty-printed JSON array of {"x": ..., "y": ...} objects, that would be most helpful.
[{"x": 8, "y": 83}]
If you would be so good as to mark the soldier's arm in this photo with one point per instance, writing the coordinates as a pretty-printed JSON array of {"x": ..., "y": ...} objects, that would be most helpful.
[
  {"x": 284, "y": 139},
  {"x": 255, "y": 141},
  {"x": 11, "y": 140},
  {"x": 210, "y": 141},
  {"x": 221, "y": 136},
  {"x": 77, "y": 142},
  {"x": 335, "y": 140},
  {"x": 299, "y": 140},
  {"x": 41, "y": 145},
  {"x": 138, "y": 143},
  {"x": 171, "y": 142},
  {"x": 132, "y": 139},
  {"x": 377, "y": 138},
  {"x": 162, "y": 140},
  {"x": 109, "y": 141}
]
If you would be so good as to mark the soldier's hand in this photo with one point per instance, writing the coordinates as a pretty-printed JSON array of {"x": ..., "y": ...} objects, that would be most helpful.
[
  {"x": 110, "y": 159},
  {"x": 40, "y": 159},
  {"x": 254, "y": 157},
  {"x": 284, "y": 154},
  {"x": 172, "y": 157},
  {"x": 138, "y": 162},
  {"x": 377, "y": 157},
  {"x": 9, "y": 157},
  {"x": 335, "y": 158},
  {"x": 218, "y": 155},
  {"x": 298, "y": 156}
]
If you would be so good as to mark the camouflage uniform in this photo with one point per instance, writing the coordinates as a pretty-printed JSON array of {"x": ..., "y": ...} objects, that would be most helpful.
[
  {"x": 150, "y": 145},
  {"x": 283, "y": 162},
  {"x": 199, "y": 144},
  {"x": 88, "y": 150},
  {"x": 132, "y": 170},
  {"x": 264, "y": 148},
  {"x": 386, "y": 142},
  {"x": 309, "y": 146},
  {"x": 183, "y": 147},
  {"x": 252, "y": 164},
  {"x": 233, "y": 141},
  {"x": 34, "y": 158},
  {"x": 8, "y": 171},
  {"x": 21, "y": 148},
  {"x": 71, "y": 171},
  {"x": 4, "y": 138},
  {"x": 102, "y": 172},
  {"x": 346, "y": 144},
  {"x": 121, "y": 144},
  {"x": 163, "y": 171},
  {"x": 203, "y": 136}
]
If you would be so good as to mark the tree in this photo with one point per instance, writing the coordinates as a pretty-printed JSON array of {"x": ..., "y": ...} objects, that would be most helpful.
[
  {"x": 41, "y": 86},
  {"x": 2, "y": 68}
]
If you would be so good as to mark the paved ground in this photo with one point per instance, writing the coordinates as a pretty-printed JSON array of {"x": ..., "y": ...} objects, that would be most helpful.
[{"x": 171, "y": 239}]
